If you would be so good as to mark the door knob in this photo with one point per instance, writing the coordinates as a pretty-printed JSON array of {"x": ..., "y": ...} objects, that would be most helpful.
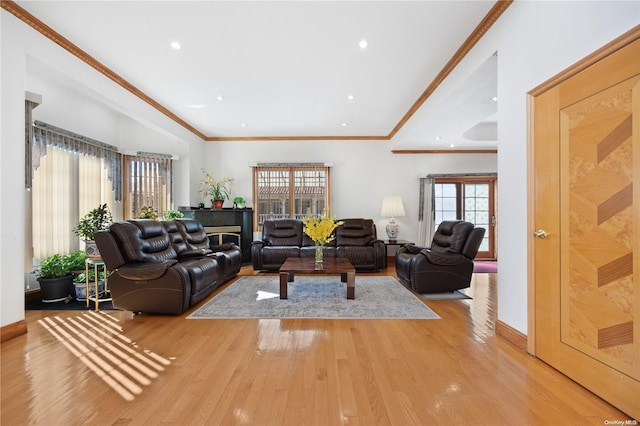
[{"x": 540, "y": 233}]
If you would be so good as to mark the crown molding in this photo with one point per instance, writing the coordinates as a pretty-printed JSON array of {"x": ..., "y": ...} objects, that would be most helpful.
[
  {"x": 70, "y": 47},
  {"x": 296, "y": 138},
  {"x": 492, "y": 16},
  {"x": 444, "y": 151}
]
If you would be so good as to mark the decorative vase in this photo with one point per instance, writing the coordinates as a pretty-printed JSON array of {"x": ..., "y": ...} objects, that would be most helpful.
[
  {"x": 91, "y": 249},
  {"x": 319, "y": 253},
  {"x": 217, "y": 204}
]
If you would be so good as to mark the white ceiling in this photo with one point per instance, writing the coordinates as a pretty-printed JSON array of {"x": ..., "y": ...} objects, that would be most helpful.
[{"x": 286, "y": 68}]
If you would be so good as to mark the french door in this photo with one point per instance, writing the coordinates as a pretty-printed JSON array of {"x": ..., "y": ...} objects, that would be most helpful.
[{"x": 469, "y": 199}]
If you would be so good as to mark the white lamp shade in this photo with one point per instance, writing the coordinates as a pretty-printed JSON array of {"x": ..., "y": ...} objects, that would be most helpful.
[{"x": 392, "y": 207}]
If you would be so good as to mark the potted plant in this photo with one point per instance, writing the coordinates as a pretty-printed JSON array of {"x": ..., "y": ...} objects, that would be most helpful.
[
  {"x": 172, "y": 214},
  {"x": 77, "y": 262},
  {"x": 239, "y": 202},
  {"x": 216, "y": 190},
  {"x": 80, "y": 284},
  {"x": 55, "y": 278},
  {"x": 96, "y": 220},
  {"x": 147, "y": 213}
]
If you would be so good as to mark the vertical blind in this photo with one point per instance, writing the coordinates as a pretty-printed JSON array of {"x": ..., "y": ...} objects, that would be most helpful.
[
  {"x": 150, "y": 183},
  {"x": 70, "y": 175}
]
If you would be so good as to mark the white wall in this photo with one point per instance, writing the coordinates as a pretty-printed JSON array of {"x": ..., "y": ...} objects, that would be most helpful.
[
  {"x": 79, "y": 99},
  {"x": 363, "y": 173},
  {"x": 534, "y": 40}
]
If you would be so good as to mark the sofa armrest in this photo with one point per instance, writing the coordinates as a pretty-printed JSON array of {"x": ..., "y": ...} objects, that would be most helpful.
[
  {"x": 256, "y": 253},
  {"x": 411, "y": 248},
  {"x": 443, "y": 259},
  {"x": 145, "y": 271},
  {"x": 188, "y": 254},
  {"x": 224, "y": 247}
]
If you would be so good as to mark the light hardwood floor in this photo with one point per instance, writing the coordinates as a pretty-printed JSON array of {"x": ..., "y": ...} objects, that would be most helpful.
[{"x": 297, "y": 372}]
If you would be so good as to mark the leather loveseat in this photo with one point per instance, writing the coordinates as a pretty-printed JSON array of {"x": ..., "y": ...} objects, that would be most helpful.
[
  {"x": 163, "y": 267},
  {"x": 355, "y": 240}
]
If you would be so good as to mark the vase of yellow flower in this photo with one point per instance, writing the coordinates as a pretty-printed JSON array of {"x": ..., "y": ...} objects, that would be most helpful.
[
  {"x": 216, "y": 190},
  {"x": 320, "y": 230}
]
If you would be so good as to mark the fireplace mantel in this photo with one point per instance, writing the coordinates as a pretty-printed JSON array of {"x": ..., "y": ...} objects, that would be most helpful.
[{"x": 226, "y": 218}]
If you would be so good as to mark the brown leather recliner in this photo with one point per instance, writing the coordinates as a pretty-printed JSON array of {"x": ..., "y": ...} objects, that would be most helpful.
[
  {"x": 154, "y": 268},
  {"x": 355, "y": 240},
  {"x": 445, "y": 266}
]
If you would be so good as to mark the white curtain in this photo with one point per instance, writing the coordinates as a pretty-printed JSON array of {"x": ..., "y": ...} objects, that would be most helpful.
[
  {"x": 426, "y": 212},
  {"x": 69, "y": 175}
]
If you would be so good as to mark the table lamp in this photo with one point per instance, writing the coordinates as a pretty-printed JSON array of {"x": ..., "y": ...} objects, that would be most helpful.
[{"x": 392, "y": 207}]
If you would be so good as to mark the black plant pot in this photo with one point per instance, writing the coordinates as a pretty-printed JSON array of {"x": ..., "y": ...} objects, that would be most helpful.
[{"x": 55, "y": 289}]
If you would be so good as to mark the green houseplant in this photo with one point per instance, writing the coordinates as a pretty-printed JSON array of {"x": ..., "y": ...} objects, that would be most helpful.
[
  {"x": 172, "y": 214},
  {"x": 96, "y": 220},
  {"x": 239, "y": 202},
  {"x": 76, "y": 261},
  {"x": 80, "y": 284},
  {"x": 55, "y": 278}
]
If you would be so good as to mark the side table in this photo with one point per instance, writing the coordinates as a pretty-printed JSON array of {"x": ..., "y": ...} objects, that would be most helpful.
[
  {"x": 398, "y": 243},
  {"x": 96, "y": 264}
]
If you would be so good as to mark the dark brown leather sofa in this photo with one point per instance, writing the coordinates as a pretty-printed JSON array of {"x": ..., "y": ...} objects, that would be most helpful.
[
  {"x": 447, "y": 265},
  {"x": 355, "y": 240},
  {"x": 163, "y": 267}
]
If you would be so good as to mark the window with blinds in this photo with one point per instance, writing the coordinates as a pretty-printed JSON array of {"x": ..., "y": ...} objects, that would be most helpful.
[
  {"x": 290, "y": 190},
  {"x": 150, "y": 183},
  {"x": 69, "y": 176}
]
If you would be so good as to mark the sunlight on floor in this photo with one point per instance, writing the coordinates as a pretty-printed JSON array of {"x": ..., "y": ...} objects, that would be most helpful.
[{"x": 97, "y": 340}]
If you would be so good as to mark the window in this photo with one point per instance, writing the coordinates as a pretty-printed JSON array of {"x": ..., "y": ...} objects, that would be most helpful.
[
  {"x": 469, "y": 199},
  {"x": 70, "y": 176},
  {"x": 150, "y": 183},
  {"x": 290, "y": 190}
]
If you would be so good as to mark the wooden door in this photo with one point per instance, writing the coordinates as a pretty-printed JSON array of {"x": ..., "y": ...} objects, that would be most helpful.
[{"x": 586, "y": 218}]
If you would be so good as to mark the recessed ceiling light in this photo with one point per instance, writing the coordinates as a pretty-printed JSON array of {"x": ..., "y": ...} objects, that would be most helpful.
[
  {"x": 452, "y": 146},
  {"x": 438, "y": 138},
  {"x": 196, "y": 106},
  {"x": 350, "y": 97},
  {"x": 243, "y": 125},
  {"x": 345, "y": 124},
  {"x": 494, "y": 99},
  {"x": 176, "y": 45},
  {"x": 363, "y": 44},
  {"x": 220, "y": 98}
]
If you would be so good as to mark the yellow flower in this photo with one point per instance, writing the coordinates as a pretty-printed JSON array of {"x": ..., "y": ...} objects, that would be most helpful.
[{"x": 320, "y": 229}]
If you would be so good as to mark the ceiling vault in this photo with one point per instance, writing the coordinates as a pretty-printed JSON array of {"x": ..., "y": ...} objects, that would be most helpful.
[{"x": 490, "y": 18}]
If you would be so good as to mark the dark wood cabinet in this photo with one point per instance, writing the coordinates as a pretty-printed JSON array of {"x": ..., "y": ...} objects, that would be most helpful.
[{"x": 226, "y": 225}]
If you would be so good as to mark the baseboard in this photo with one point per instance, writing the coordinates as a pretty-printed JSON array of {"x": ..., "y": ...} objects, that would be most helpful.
[
  {"x": 32, "y": 295},
  {"x": 511, "y": 335},
  {"x": 13, "y": 330}
]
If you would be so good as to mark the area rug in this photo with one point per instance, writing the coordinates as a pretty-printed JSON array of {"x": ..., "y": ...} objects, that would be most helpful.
[
  {"x": 450, "y": 295},
  {"x": 71, "y": 305},
  {"x": 485, "y": 266},
  {"x": 315, "y": 297}
]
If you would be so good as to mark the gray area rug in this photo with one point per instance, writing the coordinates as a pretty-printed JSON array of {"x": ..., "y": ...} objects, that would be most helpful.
[
  {"x": 451, "y": 295},
  {"x": 315, "y": 297}
]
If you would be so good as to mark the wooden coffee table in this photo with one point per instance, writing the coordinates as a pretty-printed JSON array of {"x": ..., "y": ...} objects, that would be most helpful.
[{"x": 330, "y": 266}]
